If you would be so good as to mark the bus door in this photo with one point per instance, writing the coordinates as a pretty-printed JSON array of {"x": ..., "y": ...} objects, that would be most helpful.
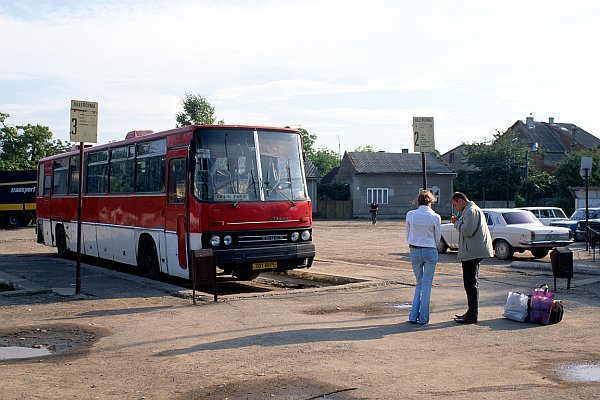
[
  {"x": 44, "y": 204},
  {"x": 175, "y": 213}
]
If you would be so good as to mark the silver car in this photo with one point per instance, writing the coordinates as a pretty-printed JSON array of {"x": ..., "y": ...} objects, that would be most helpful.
[{"x": 513, "y": 230}]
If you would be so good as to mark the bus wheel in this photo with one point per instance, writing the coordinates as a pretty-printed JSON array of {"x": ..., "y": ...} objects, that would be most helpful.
[
  {"x": 14, "y": 220},
  {"x": 148, "y": 259},
  {"x": 246, "y": 276},
  {"x": 61, "y": 242}
]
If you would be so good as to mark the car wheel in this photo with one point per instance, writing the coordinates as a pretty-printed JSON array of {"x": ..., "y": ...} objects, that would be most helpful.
[
  {"x": 503, "y": 250},
  {"x": 539, "y": 253},
  {"x": 442, "y": 246}
]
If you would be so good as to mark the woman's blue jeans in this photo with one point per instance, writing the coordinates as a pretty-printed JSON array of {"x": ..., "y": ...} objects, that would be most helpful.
[{"x": 424, "y": 260}]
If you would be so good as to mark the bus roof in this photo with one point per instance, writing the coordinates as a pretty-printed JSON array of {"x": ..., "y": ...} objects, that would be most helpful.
[{"x": 157, "y": 135}]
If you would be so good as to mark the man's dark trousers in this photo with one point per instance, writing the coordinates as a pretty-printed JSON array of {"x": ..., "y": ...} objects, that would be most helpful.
[{"x": 470, "y": 280}]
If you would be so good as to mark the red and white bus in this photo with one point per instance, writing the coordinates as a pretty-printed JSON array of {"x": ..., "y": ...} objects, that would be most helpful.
[{"x": 152, "y": 199}]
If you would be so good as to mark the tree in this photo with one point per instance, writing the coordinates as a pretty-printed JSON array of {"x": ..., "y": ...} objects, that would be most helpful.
[
  {"x": 325, "y": 160},
  {"x": 308, "y": 141},
  {"x": 196, "y": 110},
  {"x": 365, "y": 148},
  {"x": 567, "y": 174},
  {"x": 21, "y": 147},
  {"x": 499, "y": 167}
]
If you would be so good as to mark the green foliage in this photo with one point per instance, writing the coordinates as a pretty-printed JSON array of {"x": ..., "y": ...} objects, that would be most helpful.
[
  {"x": 365, "y": 148},
  {"x": 21, "y": 147},
  {"x": 567, "y": 171},
  {"x": 500, "y": 166},
  {"x": 567, "y": 174},
  {"x": 308, "y": 141},
  {"x": 325, "y": 160},
  {"x": 333, "y": 191},
  {"x": 196, "y": 110},
  {"x": 540, "y": 185}
]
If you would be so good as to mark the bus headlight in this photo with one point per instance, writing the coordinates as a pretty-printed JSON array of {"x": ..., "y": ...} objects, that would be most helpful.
[
  {"x": 294, "y": 236},
  {"x": 227, "y": 240},
  {"x": 215, "y": 241},
  {"x": 305, "y": 235}
]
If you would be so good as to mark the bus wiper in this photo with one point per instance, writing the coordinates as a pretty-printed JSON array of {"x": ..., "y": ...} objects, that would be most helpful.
[
  {"x": 253, "y": 182},
  {"x": 276, "y": 189}
]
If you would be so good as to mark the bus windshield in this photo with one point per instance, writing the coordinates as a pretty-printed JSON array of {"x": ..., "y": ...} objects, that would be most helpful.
[{"x": 248, "y": 165}]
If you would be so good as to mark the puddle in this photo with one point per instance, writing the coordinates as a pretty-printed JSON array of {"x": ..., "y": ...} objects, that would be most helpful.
[
  {"x": 16, "y": 352},
  {"x": 589, "y": 372},
  {"x": 25, "y": 343}
]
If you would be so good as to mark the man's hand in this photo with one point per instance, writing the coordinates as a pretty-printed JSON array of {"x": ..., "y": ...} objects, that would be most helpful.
[{"x": 454, "y": 218}]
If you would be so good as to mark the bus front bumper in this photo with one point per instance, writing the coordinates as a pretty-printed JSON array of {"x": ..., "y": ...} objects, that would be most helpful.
[{"x": 282, "y": 257}]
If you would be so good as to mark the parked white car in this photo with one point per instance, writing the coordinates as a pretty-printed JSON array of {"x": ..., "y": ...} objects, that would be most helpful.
[
  {"x": 513, "y": 230},
  {"x": 546, "y": 215}
]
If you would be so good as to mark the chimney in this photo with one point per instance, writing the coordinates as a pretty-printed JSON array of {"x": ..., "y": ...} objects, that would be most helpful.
[
  {"x": 551, "y": 120},
  {"x": 529, "y": 122},
  {"x": 404, "y": 151}
]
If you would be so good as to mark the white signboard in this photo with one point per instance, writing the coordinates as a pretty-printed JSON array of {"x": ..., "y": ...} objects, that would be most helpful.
[
  {"x": 586, "y": 167},
  {"x": 423, "y": 137},
  {"x": 84, "y": 121}
]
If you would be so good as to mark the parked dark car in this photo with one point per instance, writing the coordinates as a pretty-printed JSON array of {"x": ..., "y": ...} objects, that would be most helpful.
[{"x": 576, "y": 222}]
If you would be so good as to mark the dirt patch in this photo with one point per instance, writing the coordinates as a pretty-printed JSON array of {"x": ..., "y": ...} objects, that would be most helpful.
[
  {"x": 274, "y": 388},
  {"x": 60, "y": 340},
  {"x": 371, "y": 309}
]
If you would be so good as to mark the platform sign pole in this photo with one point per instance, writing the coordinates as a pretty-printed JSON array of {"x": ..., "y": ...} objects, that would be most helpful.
[
  {"x": 424, "y": 141},
  {"x": 585, "y": 171},
  {"x": 84, "y": 128}
]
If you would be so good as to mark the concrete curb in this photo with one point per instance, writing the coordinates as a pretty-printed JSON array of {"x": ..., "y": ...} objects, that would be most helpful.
[{"x": 546, "y": 266}]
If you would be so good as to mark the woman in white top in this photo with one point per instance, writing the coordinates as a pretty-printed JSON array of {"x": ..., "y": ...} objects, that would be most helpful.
[{"x": 423, "y": 232}]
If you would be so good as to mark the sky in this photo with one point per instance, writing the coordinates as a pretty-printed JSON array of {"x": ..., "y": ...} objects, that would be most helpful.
[{"x": 353, "y": 73}]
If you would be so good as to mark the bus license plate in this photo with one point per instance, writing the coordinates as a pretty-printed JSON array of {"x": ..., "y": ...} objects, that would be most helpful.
[{"x": 264, "y": 265}]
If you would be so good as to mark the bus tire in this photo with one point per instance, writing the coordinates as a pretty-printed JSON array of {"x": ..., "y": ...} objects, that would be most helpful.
[
  {"x": 14, "y": 220},
  {"x": 61, "y": 242},
  {"x": 247, "y": 276},
  {"x": 148, "y": 259}
]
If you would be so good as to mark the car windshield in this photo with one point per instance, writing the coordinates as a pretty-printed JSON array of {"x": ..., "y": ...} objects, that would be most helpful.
[
  {"x": 579, "y": 214},
  {"x": 558, "y": 213},
  {"x": 524, "y": 217}
]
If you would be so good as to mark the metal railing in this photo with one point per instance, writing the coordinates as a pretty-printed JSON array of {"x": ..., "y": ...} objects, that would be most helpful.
[{"x": 593, "y": 238}]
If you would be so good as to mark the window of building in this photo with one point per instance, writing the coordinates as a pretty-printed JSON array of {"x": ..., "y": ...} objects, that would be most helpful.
[
  {"x": 451, "y": 158},
  {"x": 377, "y": 195}
]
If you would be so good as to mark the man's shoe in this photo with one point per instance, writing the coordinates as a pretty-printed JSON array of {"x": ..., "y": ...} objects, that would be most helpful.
[
  {"x": 465, "y": 320},
  {"x": 461, "y": 316}
]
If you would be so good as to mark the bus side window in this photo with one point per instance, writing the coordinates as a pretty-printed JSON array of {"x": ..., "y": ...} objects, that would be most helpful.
[{"x": 177, "y": 172}]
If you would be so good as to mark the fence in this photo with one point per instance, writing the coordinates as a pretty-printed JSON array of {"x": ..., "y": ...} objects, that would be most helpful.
[{"x": 334, "y": 209}]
